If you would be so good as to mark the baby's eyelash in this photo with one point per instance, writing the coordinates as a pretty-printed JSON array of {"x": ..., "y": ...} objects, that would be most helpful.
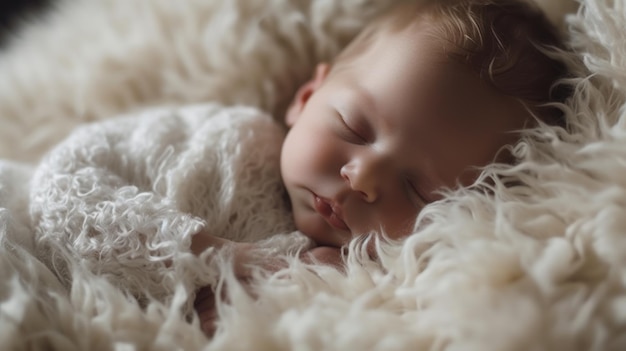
[
  {"x": 352, "y": 135},
  {"x": 416, "y": 196}
]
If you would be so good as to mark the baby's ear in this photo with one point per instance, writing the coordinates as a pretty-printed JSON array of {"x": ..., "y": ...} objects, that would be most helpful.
[{"x": 304, "y": 93}]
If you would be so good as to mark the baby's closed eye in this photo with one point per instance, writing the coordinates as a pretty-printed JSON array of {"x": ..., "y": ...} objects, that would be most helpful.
[
  {"x": 415, "y": 194},
  {"x": 349, "y": 131}
]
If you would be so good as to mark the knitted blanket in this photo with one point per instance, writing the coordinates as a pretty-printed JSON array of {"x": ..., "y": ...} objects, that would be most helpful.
[{"x": 538, "y": 266}]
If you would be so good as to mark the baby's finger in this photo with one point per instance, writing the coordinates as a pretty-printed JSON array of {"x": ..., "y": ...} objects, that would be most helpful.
[
  {"x": 204, "y": 293},
  {"x": 208, "y": 320},
  {"x": 204, "y": 305}
]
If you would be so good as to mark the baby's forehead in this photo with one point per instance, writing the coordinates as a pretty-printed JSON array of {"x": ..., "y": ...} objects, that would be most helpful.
[
  {"x": 432, "y": 85},
  {"x": 415, "y": 41}
]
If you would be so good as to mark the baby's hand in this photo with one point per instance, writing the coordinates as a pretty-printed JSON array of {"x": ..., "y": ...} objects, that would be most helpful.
[
  {"x": 325, "y": 255},
  {"x": 244, "y": 260},
  {"x": 204, "y": 304}
]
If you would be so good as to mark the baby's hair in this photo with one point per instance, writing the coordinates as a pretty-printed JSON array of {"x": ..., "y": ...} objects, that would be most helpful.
[{"x": 505, "y": 42}]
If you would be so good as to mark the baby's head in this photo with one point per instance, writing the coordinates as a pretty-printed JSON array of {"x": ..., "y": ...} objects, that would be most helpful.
[{"x": 425, "y": 95}]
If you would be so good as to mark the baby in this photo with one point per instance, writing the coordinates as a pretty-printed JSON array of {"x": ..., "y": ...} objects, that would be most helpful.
[{"x": 424, "y": 96}]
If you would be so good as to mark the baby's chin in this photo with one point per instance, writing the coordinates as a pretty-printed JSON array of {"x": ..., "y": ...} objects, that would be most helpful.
[{"x": 316, "y": 229}]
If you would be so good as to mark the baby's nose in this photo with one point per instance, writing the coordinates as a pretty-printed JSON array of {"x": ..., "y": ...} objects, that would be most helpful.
[{"x": 364, "y": 177}]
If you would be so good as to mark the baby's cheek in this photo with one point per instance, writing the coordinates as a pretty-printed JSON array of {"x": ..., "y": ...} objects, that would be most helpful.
[
  {"x": 324, "y": 157},
  {"x": 399, "y": 220}
]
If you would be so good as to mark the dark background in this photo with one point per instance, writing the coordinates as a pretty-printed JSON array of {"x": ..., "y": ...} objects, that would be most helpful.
[{"x": 15, "y": 12}]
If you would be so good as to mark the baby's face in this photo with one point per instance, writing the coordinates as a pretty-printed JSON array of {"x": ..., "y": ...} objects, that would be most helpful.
[{"x": 372, "y": 141}]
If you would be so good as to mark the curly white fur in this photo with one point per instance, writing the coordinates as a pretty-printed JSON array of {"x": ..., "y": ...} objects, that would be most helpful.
[{"x": 536, "y": 266}]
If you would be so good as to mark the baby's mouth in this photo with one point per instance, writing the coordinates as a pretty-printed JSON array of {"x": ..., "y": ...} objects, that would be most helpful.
[{"x": 330, "y": 212}]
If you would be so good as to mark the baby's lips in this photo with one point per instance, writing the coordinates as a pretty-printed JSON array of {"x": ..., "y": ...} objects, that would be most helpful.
[{"x": 330, "y": 213}]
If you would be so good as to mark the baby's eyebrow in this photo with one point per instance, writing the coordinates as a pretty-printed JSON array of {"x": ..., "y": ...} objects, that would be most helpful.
[
  {"x": 354, "y": 100},
  {"x": 370, "y": 110}
]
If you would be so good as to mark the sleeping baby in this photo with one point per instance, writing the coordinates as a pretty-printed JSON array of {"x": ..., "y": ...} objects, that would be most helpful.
[{"x": 423, "y": 97}]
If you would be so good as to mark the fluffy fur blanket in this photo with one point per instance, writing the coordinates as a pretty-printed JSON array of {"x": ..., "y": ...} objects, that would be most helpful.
[{"x": 540, "y": 266}]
